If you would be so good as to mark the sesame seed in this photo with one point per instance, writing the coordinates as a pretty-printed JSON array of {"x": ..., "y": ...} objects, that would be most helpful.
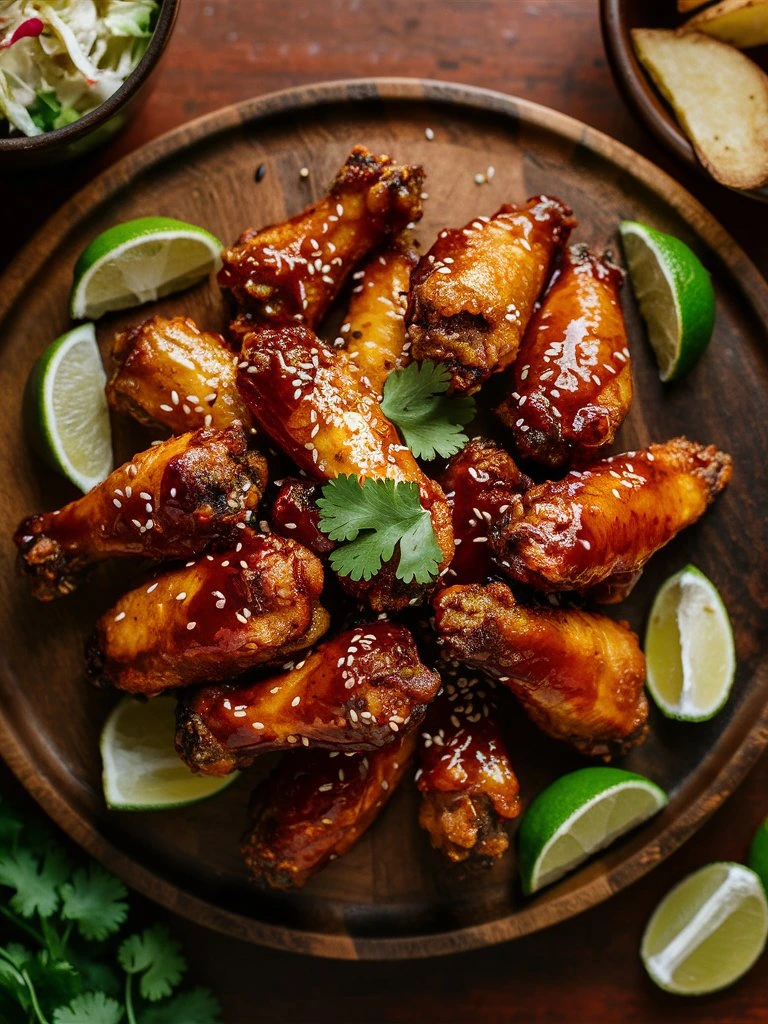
[
  {"x": 429, "y": 134},
  {"x": 191, "y": 625},
  {"x": 479, "y": 179},
  {"x": 295, "y": 702},
  {"x": 119, "y": 616},
  {"x": 257, "y": 725},
  {"x": 181, "y": 595}
]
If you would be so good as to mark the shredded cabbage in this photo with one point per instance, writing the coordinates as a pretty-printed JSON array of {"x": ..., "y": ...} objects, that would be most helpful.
[{"x": 84, "y": 53}]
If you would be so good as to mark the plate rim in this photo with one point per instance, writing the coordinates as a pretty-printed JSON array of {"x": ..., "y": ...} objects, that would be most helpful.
[{"x": 532, "y": 917}]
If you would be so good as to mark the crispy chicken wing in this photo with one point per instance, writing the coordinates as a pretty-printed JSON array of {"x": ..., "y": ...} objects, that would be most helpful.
[
  {"x": 578, "y": 675},
  {"x": 473, "y": 293},
  {"x": 313, "y": 404},
  {"x": 171, "y": 501},
  {"x": 603, "y": 523},
  {"x": 480, "y": 483},
  {"x": 253, "y": 604},
  {"x": 572, "y": 377},
  {"x": 374, "y": 331},
  {"x": 294, "y": 270},
  {"x": 465, "y": 776},
  {"x": 171, "y": 372},
  {"x": 352, "y": 693},
  {"x": 315, "y": 806}
]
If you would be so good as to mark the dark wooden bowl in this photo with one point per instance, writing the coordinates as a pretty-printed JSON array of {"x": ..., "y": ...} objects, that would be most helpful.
[
  {"x": 618, "y": 18},
  {"x": 98, "y": 125}
]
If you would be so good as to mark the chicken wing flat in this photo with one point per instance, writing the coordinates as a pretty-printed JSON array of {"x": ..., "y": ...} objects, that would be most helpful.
[
  {"x": 578, "y": 675},
  {"x": 374, "y": 331},
  {"x": 313, "y": 404},
  {"x": 315, "y": 806},
  {"x": 572, "y": 377},
  {"x": 257, "y": 603},
  {"x": 473, "y": 293},
  {"x": 171, "y": 501},
  {"x": 465, "y": 775},
  {"x": 294, "y": 270},
  {"x": 480, "y": 483},
  {"x": 295, "y": 514},
  {"x": 604, "y": 522},
  {"x": 171, "y": 372},
  {"x": 352, "y": 693}
]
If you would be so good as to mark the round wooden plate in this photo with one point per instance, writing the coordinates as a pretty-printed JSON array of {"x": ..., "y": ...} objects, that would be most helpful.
[{"x": 391, "y": 896}]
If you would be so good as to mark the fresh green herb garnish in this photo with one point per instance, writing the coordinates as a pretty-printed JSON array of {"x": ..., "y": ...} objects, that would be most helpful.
[
  {"x": 67, "y": 969},
  {"x": 430, "y": 421},
  {"x": 375, "y": 517}
]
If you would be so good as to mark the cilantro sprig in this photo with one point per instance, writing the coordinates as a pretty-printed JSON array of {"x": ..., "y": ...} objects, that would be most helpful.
[
  {"x": 430, "y": 421},
  {"x": 374, "y": 517},
  {"x": 65, "y": 971}
]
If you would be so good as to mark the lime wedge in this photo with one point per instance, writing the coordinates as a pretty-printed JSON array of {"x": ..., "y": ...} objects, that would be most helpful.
[
  {"x": 758, "y": 854},
  {"x": 65, "y": 408},
  {"x": 142, "y": 771},
  {"x": 689, "y": 648},
  {"x": 139, "y": 261},
  {"x": 707, "y": 931},
  {"x": 579, "y": 814},
  {"x": 674, "y": 293}
]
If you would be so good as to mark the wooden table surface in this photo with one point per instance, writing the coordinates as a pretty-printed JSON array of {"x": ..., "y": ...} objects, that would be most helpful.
[{"x": 550, "y": 51}]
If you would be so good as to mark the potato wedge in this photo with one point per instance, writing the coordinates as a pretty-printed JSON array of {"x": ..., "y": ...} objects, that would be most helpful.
[
  {"x": 720, "y": 98},
  {"x": 742, "y": 23}
]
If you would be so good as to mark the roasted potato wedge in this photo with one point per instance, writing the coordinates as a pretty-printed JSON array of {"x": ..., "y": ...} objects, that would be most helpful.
[
  {"x": 720, "y": 98},
  {"x": 742, "y": 23}
]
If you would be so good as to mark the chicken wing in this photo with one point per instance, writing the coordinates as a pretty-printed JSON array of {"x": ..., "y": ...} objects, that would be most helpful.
[
  {"x": 294, "y": 270},
  {"x": 214, "y": 618},
  {"x": 465, "y": 776},
  {"x": 311, "y": 401},
  {"x": 374, "y": 331},
  {"x": 572, "y": 377},
  {"x": 315, "y": 806},
  {"x": 295, "y": 514},
  {"x": 473, "y": 293},
  {"x": 171, "y": 501},
  {"x": 578, "y": 675},
  {"x": 480, "y": 483},
  {"x": 603, "y": 523},
  {"x": 171, "y": 372},
  {"x": 352, "y": 693}
]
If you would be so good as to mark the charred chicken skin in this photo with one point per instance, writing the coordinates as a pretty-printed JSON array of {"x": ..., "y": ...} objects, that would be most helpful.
[
  {"x": 355, "y": 692},
  {"x": 170, "y": 372},
  {"x": 256, "y": 603},
  {"x": 374, "y": 331},
  {"x": 572, "y": 380},
  {"x": 315, "y": 806},
  {"x": 295, "y": 514},
  {"x": 314, "y": 405},
  {"x": 294, "y": 270},
  {"x": 465, "y": 775},
  {"x": 480, "y": 483},
  {"x": 602, "y": 523},
  {"x": 473, "y": 293},
  {"x": 171, "y": 501},
  {"x": 578, "y": 675}
]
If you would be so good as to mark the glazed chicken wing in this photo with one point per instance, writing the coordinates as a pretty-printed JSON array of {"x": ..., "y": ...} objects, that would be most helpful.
[
  {"x": 352, "y": 693},
  {"x": 315, "y": 806},
  {"x": 473, "y": 293},
  {"x": 255, "y": 603},
  {"x": 604, "y": 522},
  {"x": 572, "y": 377},
  {"x": 171, "y": 501},
  {"x": 374, "y": 331},
  {"x": 313, "y": 404},
  {"x": 295, "y": 514},
  {"x": 171, "y": 372},
  {"x": 465, "y": 776},
  {"x": 294, "y": 270},
  {"x": 578, "y": 675},
  {"x": 480, "y": 483}
]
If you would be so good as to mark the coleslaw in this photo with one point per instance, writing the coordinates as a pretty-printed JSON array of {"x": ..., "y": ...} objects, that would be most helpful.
[{"x": 60, "y": 59}]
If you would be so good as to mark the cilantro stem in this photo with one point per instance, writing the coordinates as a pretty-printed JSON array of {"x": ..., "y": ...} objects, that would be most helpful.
[
  {"x": 22, "y": 924},
  {"x": 33, "y": 997},
  {"x": 130, "y": 1015},
  {"x": 51, "y": 939}
]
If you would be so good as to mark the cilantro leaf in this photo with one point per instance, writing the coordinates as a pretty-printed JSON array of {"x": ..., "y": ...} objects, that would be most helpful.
[
  {"x": 157, "y": 957},
  {"x": 96, "y": 977},
  {"x": 430, "y": 421},
  {"x": 198, "y": 1006},
  {"x": 35, "y": 879},
  {"x": 95, "y": 900},
  {"x": 89, "y": 1008},
  {"x": 13, "y": 958},
  {"x": 387, "y": 514}
]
